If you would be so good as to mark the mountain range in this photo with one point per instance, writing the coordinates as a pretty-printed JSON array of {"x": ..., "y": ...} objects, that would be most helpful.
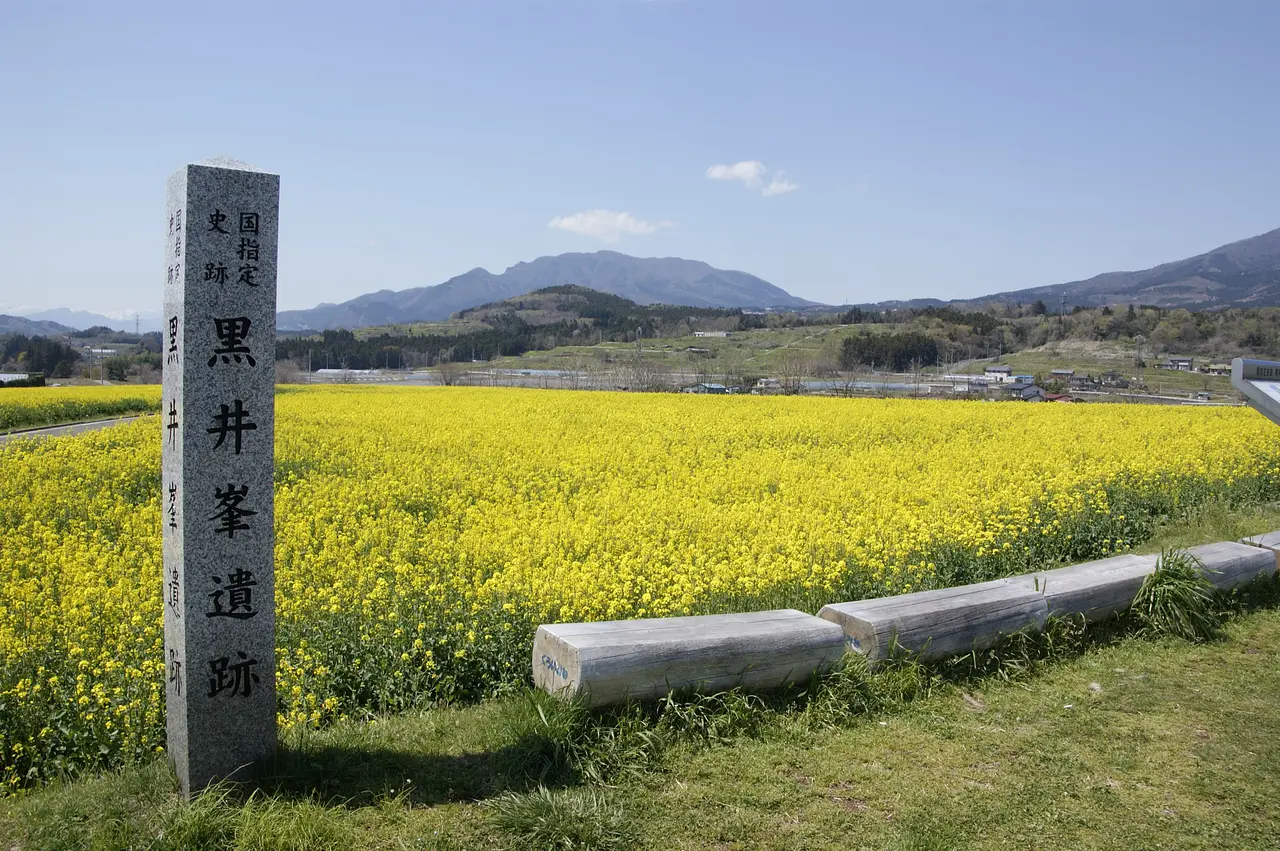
[
  {"x": 1239, "y": 274},
  {"x": 644, "y": 280},
  {"x": 78, "y": 320},
  {"x": 32, "y": 327}
]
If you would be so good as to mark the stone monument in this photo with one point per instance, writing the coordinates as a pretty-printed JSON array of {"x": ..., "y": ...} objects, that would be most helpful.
[{"x": 218, "y": 433}]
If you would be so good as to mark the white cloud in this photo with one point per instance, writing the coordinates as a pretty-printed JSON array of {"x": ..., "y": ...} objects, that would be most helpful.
[
  {"x": 748, "y": 171},
  {"x": 752, "y": 174},
  {"x": 606, "y": 224},
  {"x": 778, "y": 186}
]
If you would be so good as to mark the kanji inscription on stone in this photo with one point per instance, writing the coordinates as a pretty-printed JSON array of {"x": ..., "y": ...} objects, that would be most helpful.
[{"x": 218, "y": 437}]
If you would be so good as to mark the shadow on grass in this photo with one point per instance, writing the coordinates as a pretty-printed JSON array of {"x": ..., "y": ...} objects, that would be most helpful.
[{"x": 334, "y": 775}]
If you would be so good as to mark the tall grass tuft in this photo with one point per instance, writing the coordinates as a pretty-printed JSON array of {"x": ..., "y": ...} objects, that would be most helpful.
[
  {"x": 1177, "y": 599},
  {"x": 567, "y": 820}
]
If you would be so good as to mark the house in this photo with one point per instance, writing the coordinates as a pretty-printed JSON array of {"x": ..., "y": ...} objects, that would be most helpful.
[
  {"x": 1062, "y": 374},
  {"x": 766, "y": 386},
  {"x": 1217, "y": 369},
  {"x": 1058, "y": 397},
  {"x": 1083, "y": 382},
  {"x": 1179, "y": 364},
  {"x": 706, "y": 387},
  {"x": 1024, "y": 379},
  {"x": 1026, "y": 392},
  {"x": 999, "y": 374}
]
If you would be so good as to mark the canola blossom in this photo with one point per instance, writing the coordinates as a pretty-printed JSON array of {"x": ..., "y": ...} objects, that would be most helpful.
[
  {"x": 423, "y": 533},
  {"x": 27, "y": 407}
]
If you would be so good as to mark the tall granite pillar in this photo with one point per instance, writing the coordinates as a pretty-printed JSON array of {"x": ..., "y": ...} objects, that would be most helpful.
[{"x": 218, "y": 433}]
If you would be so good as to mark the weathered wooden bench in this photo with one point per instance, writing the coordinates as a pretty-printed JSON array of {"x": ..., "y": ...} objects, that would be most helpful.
[
  {"x": 940, "y": 623},
  {"x": 612, "y": 661}
]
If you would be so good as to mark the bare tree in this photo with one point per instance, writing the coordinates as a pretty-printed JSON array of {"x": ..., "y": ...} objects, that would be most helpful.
[
  {"x": 848, "y": 381},
  {"x": 794, "y": 366},
  {"x": 645, "y": 375},
  {"x": 449, "y": 372},
  {"x": 289, "y": 372}
]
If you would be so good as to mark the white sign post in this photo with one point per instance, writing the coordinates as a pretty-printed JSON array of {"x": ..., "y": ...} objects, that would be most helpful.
[{"x": 1259, "y": 381}]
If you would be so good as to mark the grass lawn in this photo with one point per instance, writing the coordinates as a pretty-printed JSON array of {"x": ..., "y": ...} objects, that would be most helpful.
[
  {"x": 1122, "y": 742},
  {"x": 758, "y": 351}
]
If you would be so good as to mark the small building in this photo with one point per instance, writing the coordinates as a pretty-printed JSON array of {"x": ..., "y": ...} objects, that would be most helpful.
[
  {"x": 1062, "y": 374},
  {"x": 1217, "y": 369},
  {"x": 765, "y": 386},
  {"x": 1059, "y": 397},
  {"x": 711, "y": 333},
  {"x": 1024, "y": 379},
  {"x": 1026, "y": 392},
  {"x": 707, "y": 387},
  {"x": 999, "y": 374},
  {"x": 1179, "y": 364},
  {"x": 1202, "y": 396}
]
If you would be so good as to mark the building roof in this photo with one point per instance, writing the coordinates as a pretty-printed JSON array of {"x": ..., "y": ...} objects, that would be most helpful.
[{"x": 998, "y": 369}]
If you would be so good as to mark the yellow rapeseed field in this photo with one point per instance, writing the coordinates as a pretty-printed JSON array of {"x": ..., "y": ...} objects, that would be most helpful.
[
  {"x": 422, "y": 534},
  {"x": 25, "y": 407}
]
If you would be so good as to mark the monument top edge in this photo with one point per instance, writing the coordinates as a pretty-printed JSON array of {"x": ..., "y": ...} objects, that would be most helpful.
[{"x": 230, "y": 163}]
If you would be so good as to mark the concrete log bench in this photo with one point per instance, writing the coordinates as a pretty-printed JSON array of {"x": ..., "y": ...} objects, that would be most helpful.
[
  {"x": 1267, "y": 540},
  {"x": 1229, "y": 564},
  {"x": 937, "y": 624},
  {"x": 1095, "y": 589},
  {"x": 612, "y": 661}
]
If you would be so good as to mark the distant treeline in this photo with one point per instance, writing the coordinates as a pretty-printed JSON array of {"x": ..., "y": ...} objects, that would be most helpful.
[
  {"x": 598, "y": 317},
  {"x": 891, "y": 339},
  {"x": 893, "y": 352},
  {"x": 38, "y": 354},
  {"x": 613, "y": 316},
  {"x": 341, "y": 349}
]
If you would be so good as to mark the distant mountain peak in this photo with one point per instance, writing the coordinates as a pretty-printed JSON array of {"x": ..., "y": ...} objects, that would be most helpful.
[{"x": 644, "y": 280}]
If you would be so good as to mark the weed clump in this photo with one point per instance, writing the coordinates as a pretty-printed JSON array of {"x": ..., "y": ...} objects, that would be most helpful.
[
  {"x": 565, "y": 820},
  {"x": 1178, "y": 600}
]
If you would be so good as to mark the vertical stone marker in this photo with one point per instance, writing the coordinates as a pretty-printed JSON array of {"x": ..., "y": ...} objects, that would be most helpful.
[{"x": 218, "y": 436}]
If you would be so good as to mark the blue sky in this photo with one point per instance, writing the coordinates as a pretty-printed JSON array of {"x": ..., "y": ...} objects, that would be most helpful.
[{"x": 944, "y": 149}]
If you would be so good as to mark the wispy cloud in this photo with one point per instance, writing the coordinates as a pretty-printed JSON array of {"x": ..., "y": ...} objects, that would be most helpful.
[
  {"x": 778, "y": 186},
  {"x": 751, "y": 173},
  {"x": 748, "y": 171},
  {"x": 606, "y": 225}
]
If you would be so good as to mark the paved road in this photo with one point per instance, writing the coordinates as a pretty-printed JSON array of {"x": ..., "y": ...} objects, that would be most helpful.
[{"x": 64, "y": 430}]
